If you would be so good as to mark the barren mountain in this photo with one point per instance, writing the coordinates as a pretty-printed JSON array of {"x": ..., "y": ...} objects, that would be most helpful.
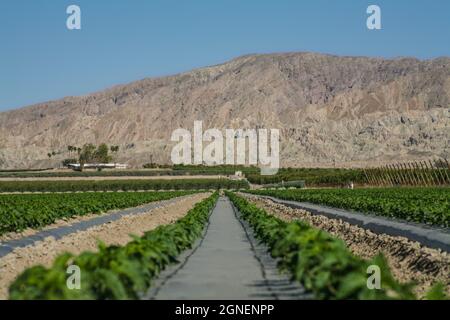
[{"x": 351, "y": 110}]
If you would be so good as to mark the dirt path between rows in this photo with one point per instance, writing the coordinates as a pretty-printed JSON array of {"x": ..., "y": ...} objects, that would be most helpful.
[
  {"x": 113, "y": 233},
  {"x": 409, "y": 261},
  {"x": 228, "y": 263}
]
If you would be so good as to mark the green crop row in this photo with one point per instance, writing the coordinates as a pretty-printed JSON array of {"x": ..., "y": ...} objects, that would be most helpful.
[
  {"x": 224, "y": 169},
  {"x": 176, "y": 170},
  {"x": 311, "y": 176},
  {"x": 18, "y": 212},
  {"x": 102, "y": 173},
  {"x": 423, "y": 205},
  {"x": 117, "y": 185},
  {"x": 322, "y": 263},
  {"x": 110, "y": 173},
  {"x": 12, "y": 171},
  {"x": 116, "y": 272}
]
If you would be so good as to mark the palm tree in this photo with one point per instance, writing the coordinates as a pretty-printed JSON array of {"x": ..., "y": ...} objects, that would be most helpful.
[{"x": 115, "y": 150}]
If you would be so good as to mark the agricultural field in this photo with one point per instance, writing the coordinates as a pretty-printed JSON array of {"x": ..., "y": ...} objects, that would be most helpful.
[
  {"x": 401, "y": 174},
  {"x": 89, "y": 173},
  {"x": 119, "y": 185},
  {"x": 316, "y": 263},
  {"x": 147, "y": 238},
  {"x": 423, "y": 205},
  {"x": 175, "y": 170},
  {"x": 18, "y": 212},
  {"x": 117, "y": 272},
  {"x": 321, "y": 262},
  {"x": 311, "y": 176}
]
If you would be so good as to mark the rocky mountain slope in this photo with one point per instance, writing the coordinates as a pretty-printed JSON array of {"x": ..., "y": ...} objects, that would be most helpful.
[{"x": 347, "y": 110}]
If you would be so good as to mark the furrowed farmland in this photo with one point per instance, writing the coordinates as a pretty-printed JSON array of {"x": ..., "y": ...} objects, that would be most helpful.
[
  {"x": 322, "y": 241},
  {"x": 334, "y": 273},
  {"x": 18, "y": 212},
  {"x": 423, "y": 205},
  {"x": 117, "y": 272},
  {"x": 119, "y": 185}
]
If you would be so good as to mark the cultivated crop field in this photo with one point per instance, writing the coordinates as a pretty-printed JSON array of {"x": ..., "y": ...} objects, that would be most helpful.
[
  {"x": 103, "y": 173},
  {"x": 173, "y": 231},
  {"x": 116, "y": 272},
  {"x": 176, "y": 170},
  {"x": 311, "y": 176},
  {"x": 322, "y": 263},
  {"x": 18, "y": 212},
  {"x": 424, "y": 205},
  {"x": 119, "y": 185}
]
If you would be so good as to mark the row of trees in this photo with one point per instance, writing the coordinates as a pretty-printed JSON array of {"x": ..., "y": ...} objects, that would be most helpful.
[
  {"x": 73, "y": 149},
  {"x": 91, "y": 153},
  {"x": 78, "y": 150}
]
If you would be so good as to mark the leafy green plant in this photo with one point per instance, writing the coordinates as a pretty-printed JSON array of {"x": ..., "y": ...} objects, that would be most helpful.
[
  {"x": 437, "y": 292},
  {"x": 424, "y": 205},
  {"x": 120, "y": 185},
  {"x": 322, "y": 263},
  {"x": 116, "y": 272},
  {"x": 18, "y": 212},
  {"x": 311, "y": 176}
]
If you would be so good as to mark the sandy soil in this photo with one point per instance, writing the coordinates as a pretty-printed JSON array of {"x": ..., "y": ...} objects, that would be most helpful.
[
  {"x": 113, "y": 233},
  {"x": 113, "y": 178},
  {"x": 409, "y": 261}
]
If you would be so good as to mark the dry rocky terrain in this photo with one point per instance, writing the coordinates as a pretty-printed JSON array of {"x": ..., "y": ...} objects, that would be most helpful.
[{"x": 348, "y": 110}]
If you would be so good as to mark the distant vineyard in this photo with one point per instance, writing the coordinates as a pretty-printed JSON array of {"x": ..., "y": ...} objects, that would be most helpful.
[
  {"x": 12, "y": 171},
  {"x": 120, "y": 185},
  {"x": 104, "y": 173},
  {"x": 417, "y": 173},
  {"x": 311, "y": 176},
  {"x": 176, "y": 170},
  {"x": 218, "y": 169}
]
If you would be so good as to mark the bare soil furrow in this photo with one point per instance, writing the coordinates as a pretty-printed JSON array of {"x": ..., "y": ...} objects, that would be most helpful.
[
  {"x": 114, "y": 233},
  {"x": 409, "y": 261}
]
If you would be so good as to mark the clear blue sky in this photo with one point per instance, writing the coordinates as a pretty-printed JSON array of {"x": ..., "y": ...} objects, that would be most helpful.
[{"x": 126, "y": 40}]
